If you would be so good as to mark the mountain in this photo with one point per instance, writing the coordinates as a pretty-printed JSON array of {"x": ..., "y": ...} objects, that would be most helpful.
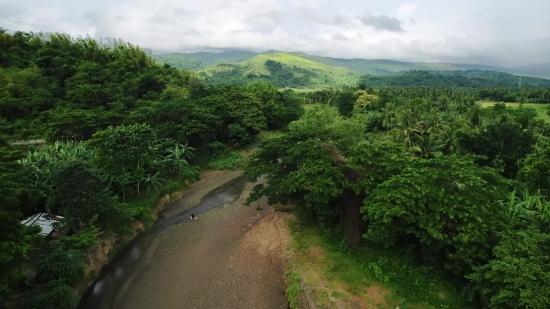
[
  {"x": 296, "y": 69},
  {"x": 537, "y": 70}
]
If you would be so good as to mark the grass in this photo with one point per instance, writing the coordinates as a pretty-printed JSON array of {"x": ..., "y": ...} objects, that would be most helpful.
[
  {"x": 229, "y": 161},
  {"x": 540, "y": 108},
  {"x": 368, "y": 277},
  {"x": 293, "y": 289}
]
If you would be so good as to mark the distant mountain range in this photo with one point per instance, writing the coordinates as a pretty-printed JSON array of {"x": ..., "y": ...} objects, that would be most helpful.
[{"x": 300, "y": 69}]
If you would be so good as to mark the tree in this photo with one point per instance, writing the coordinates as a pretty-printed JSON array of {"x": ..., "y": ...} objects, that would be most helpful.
[
  {"x": 152, "y": 182},
  {"x": 283, "y": 109},
  {"x": 80, "y": 192},
  {"x": 447, "y": 205},
  {"x": 536, "y": 167},
  {"x": 15, "y": 239},
  {"x": 364, "y": 101},
  {"x": 306, "y": 165},
  {"x": 503, "y": 145},
  {"x": 177, "y": 158},
  {"x": 245, "y": 110},
  {"x": 123, "y": 150},
  {"x": 519, "y": 274}
]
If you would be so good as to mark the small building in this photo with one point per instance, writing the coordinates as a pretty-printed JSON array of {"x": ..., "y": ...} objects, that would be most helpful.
[{"x": 48, "y": 223}]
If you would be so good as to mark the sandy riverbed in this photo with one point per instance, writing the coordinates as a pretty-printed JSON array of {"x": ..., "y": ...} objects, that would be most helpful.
[{"x": 233, "y": 256}]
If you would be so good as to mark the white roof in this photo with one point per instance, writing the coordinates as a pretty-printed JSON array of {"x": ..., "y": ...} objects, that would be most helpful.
[{"x": 44, "y": 220}]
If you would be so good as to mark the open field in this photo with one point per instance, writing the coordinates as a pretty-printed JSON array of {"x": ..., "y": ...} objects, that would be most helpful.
[
  {"x": 325, "y": 275},
  {"x": 304, "y": 90},
  {"x": 540, "y": 108}
]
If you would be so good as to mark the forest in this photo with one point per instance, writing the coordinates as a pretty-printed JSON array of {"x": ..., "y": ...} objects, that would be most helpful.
[
  {"x": 461, "y": 188},
  {"x": 120, "y": 131},
  {"x": 455, "y": 79}
]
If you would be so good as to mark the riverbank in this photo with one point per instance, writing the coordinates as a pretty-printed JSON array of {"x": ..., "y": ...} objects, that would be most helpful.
[
  {"x": 100, "y": 254},
  {"x": 233, "y": 256}
]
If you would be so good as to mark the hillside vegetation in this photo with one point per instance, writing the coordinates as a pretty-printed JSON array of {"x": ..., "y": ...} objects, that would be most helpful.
[
  {"x": 281, "y": 69},
  {"x": 356, "y": 66},
  {"x": 455, "y": 79}
]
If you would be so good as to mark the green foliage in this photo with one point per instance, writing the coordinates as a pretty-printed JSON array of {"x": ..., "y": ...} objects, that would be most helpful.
[
  {"x": 293, "y": 289},
  {"x": 502, "y": 144},
  {"x": 448, "y": 205},
  {"x": 454, "y": 79},
  {"x": 52, "y": 295},
  {"x": 519, "y": 274},
  {"x": 80, "y": 192},
  {"x": 15, "y": 240},
  {"x": 536, "y": 166},
  {"x": 62, "y": 265},
  {"x": 229, "y": 161},
  {"x": 393, "y": 269}
]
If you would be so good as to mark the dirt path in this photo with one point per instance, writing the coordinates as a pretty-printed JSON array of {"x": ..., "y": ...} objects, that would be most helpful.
[{"x": 231, "y": 257}]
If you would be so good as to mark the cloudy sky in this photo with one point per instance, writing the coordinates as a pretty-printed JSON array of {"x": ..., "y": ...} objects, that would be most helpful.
[{"x": 496, "y": 32}]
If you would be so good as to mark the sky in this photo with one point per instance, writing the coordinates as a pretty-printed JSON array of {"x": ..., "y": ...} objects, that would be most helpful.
[{"x": 491, "y": 32}]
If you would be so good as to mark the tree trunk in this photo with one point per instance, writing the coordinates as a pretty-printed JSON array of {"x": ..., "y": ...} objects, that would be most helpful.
[
  {"x": 354, "y": 225},
  {"x": 138, "y": 180}
]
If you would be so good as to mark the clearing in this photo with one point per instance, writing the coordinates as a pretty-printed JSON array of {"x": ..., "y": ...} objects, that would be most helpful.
[
  {"x": 328, "y": 275},
  {"x": 540, "y": 108}
]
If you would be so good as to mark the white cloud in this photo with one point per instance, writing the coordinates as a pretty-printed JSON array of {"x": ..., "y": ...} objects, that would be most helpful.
[{"x": 499, "y": 32}]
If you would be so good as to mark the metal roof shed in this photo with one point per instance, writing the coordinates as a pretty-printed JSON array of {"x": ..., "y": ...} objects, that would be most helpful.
[{"x": 44, "y": 220}]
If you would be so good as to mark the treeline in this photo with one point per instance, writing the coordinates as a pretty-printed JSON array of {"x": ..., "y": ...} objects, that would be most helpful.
[
  {"x": 179, "y": 61},
  {"x": 524, "y": 95},
  {"x": 121, "y": 131},
  {"x": 455, "y": 79},
  {"x": 280, "y": 75},
  {"x": 430, "y": 173}
]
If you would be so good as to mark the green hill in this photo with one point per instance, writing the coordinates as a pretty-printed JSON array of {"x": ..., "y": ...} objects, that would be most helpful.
[
  {"x": 281, "y": 69},
  {"x": 300, "y": 69}
]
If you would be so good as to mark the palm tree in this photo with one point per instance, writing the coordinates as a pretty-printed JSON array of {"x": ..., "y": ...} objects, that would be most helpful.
[
  {"x": 152, "y": 182},
  {"x": 389, "y": 115},
  {"x": 177, "y": 157}
]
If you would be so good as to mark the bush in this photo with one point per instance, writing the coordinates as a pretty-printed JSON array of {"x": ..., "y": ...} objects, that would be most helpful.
[
  {"x": 52, "y": 295},
  {"x": 230, "y": 161}
]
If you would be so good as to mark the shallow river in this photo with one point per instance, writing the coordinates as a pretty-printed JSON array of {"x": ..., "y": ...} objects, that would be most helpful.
[{"x": 103, "y": 292}]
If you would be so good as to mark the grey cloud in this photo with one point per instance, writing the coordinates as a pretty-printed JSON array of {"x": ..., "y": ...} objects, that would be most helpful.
[
  {"x": 382, "y": 22},
  {"x": 341, "y": 19},
  {"x": 412, "y": 21},
  {"x": 339, "y": 37}
]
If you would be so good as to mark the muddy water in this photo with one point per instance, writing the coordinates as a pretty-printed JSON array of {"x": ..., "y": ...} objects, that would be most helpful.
[{"x": 103, "y": 292}]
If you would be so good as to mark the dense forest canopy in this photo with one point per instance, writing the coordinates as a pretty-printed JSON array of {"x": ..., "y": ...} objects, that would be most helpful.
[
  {"x": 462, "y": 188},
  {"x": 455, "y": 79}
]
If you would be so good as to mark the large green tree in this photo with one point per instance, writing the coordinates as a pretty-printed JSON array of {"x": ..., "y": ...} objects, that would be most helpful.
[
  {"x": 447, "y": 205},
  {"x": 518, "y": 276}
]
